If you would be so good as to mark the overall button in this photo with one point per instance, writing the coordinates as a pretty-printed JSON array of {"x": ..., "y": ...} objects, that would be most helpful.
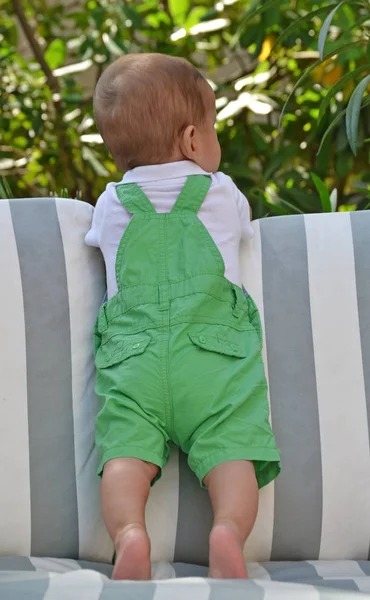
[
  {"x": 234, "y": 347},
  {"x": 135, "y": 346},
  {"x": 202, "y": 339}
]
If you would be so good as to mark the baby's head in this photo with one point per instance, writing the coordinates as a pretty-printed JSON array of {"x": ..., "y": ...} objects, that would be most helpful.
[{"x": 153, "y": 108}]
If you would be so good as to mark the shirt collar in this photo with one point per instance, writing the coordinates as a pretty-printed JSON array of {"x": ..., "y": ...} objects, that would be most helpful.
[{"x": 148, "y": 173}]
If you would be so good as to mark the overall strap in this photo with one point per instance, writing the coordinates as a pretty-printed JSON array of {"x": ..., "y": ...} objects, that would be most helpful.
[
  {"x": 133, "y": 199},
  {"x": 193, "y": 193}
]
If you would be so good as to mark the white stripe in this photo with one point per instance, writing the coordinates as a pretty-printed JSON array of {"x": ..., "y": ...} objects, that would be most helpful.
[
  {"x": 251, "y": 275},
  {"x": 334, "y": 569},
  {"x": 15, "y": 501},
  {"x": 340, "y": 388},
  {"x": 183, "y": 589},
  {"x": 84, "y": 585},
  {"x": 162, "y": 512},
  {"x": 257, "y": 571},
  {"x": 275, "y": 590},
  {"x": 54, "y": 565},
  {"x": 163, "y": 570},
  {"x": 86, "y": 288},
  {"x": 259, "y": 544}
]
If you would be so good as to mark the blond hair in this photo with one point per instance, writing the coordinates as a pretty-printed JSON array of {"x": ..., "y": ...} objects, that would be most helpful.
[{"x": 142, "y": 104}]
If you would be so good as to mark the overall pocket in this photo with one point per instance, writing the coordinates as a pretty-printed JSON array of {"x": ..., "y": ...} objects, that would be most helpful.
[
  {"x": 223, "y": 340},
  {"x": 120, "y": 347}
]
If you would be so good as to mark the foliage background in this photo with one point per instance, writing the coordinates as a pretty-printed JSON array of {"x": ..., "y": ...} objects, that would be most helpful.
[{"x": 262, "y": 58}]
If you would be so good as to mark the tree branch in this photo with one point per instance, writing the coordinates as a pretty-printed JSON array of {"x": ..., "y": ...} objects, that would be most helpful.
[
  {"x": 73, "y": 176},
  {"x": 53, "y": 82}
]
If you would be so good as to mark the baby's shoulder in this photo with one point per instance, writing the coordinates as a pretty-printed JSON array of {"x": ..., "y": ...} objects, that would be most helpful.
[
  {"x": 224, "y": 186},
  {"x": 109, "y": 194},
  {"x": 223, "y": 180}
]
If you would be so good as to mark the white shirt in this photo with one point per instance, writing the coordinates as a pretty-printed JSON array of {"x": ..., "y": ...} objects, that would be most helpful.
[{"x": 224, "y": 212}]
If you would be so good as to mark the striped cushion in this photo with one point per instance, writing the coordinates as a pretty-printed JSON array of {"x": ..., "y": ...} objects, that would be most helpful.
[
  {"x": 51, "y": 288},
  {"x": 309, "y": 275},
  {"x": 54, "y": 579}
]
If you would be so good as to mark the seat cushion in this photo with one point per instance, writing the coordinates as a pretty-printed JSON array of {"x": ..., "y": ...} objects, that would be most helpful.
[{"x": 44, "y": 578}]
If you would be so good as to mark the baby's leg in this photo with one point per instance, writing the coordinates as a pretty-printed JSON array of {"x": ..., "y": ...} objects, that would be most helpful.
[
  {"x": 233, "y": 491},
  {"x": 125, "y": 490}
]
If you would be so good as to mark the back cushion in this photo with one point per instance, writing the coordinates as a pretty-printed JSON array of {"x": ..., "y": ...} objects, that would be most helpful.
[{"x": 310, "y": 277}]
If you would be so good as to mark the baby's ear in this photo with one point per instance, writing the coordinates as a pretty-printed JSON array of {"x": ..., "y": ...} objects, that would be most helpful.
[{"x": 188, "y": 142}]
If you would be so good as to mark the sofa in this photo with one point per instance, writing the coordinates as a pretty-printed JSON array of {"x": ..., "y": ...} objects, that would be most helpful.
[{"x": 310, "y": 277}]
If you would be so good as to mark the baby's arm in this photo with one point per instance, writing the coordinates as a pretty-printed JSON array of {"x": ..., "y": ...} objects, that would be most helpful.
[
  {"x": 245, "y": 213},
  {"x": 92, "y": 238}
]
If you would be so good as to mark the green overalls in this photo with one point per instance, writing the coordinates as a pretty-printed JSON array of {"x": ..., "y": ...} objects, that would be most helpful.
[{"x": 178, "y": 349}]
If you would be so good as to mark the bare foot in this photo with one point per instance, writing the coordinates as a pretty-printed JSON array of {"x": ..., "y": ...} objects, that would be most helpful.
[
  {"x": 226, "y": 559},
  {"x": 133, "y": 555}
]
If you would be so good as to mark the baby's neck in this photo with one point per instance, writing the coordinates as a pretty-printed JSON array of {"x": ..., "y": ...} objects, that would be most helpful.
[{"x": 175, "y": 156}]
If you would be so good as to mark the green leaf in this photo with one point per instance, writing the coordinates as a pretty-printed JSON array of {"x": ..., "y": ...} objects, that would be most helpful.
[
  {"x": 309, "y": 70},
  {"x": 158, "y": 19},
  {"x": 346, "y": 17},
  {"x": 349, "y": 208},
  {"x": 337, "y": 87},
  {"x": 300, "y": 21},
  {"x": 290, "y": 207},
  {"x": 325, "y": 28},
  {"x": 299, "y": 198},
  {"x": 249, "y": 15},
  {"x": 276, "y": 207},
  {"x": 55, "y": 54},
  {"x": 332, "y": 125},
  {"x": 271, "y": 18},
  {"x": 195, "y": 16},
  {"x": 277, "y": 160},
  {"x": 179, "y": 10},
  {"x": 5, "y": 191},
  {"x": 323, "y": 192},
  {"x": 353, "y": 113},
  {"x": 132, "y": 13},
  {"x": 335, "y": 121}
]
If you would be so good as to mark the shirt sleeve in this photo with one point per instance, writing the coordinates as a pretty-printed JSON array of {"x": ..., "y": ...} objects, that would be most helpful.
[
  {"x": 244, "y": 214},
  {"x": 92, "y": 238}
]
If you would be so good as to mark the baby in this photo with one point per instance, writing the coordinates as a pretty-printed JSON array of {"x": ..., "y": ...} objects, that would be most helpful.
[{"x": 177, "y": 345}]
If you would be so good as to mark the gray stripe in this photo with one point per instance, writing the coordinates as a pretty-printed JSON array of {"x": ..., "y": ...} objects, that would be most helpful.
[
  {"x": 194, "y": 520},
  {"x": 113, "y": 590},
  {"x": 360, "y": 222},
  {"x": 54, "y": 517},
  {"x": 26, "y": 589},
  {"x": 365, "y": 566},
  {"x": 188, "y": 570},
  {"x": 338, "y": 584},
  {"x": 235, "y": 590},
  {"x": 297, "y": 572},
  {"x": 305, "y": 573},
  {"x": 292, "y": 379},
  {"x": 16, "y": 563}
]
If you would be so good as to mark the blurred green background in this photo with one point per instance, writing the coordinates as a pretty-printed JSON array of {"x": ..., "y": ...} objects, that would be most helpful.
[{"x": 291, "y": 81}]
